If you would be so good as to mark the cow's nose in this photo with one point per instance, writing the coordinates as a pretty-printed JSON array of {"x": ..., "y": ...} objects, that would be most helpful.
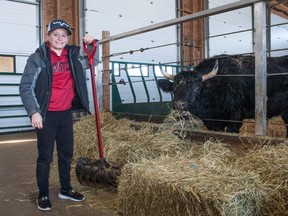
[{"x": 180, "y": 105}]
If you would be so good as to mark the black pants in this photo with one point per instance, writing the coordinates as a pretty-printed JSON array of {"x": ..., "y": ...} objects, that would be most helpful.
[{"x": 58, "y": 126}]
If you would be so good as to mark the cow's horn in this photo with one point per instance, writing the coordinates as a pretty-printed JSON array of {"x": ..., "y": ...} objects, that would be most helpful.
[
  {"x": 211, "y": 73},
  {"x": 165, "y": 74}
]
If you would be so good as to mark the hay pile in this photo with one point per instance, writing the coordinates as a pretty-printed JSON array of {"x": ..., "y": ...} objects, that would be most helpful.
[
  {"x": 183, "y": 121},
  {"x": 85, "y": 134},
  {"x": 166, "y": 175},
  {"x": 209, "y": 181},
  {"x": 123, "y": 143}
]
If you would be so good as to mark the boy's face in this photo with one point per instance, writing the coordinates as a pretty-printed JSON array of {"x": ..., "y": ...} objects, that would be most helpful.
[{"x": 58, "y": 39}]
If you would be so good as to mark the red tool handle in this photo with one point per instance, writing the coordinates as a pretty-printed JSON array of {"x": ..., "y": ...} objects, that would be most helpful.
[{"x": 94, "y": 90}]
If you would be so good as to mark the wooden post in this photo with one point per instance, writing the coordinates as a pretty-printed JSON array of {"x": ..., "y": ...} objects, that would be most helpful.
[
  {"x": 62, "y": 9},
  {"x": 106, "y": 72},
  {"x": 192, "y": 33}
]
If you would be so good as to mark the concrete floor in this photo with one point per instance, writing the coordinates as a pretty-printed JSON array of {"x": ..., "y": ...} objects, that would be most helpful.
[{"x": 18, "y": 189}]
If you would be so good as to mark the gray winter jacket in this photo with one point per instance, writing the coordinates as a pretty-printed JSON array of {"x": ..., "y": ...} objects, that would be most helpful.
[{"x": 36, "y": 82}]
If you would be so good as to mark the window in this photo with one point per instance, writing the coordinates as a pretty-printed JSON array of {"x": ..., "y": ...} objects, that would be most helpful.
[
  {"x": 136, "y": 70},
  {"x": 167, "y": 69},
  {"x": 132, "y": 69},
  {"x": 7, "y": 64}
]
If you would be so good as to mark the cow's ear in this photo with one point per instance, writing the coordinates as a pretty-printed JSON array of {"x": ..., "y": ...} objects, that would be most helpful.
[{"x": 165, "y": 85}]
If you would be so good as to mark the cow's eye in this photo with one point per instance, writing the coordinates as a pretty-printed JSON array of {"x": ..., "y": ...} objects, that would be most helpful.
[{"x": 190, "y": 82}]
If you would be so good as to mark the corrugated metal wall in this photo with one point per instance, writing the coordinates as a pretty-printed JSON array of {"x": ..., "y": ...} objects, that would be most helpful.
[
  {"x": 18, "y": 39},
  {"x": 119, "y": 16}
]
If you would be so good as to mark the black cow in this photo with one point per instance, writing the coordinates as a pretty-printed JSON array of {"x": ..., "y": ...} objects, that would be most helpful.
[{"x": 223, "y": 101}]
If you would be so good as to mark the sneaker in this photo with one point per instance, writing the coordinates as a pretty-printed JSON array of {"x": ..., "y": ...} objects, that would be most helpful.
[
  {"x": 43, "y": 203},
  {"x": 71, "y": 195}
]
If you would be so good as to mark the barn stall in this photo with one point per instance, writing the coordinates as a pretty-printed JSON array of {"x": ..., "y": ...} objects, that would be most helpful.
[
  {"x": 133, "y": 85},
  {"x": 206, "y": 159},
  {"x": 178, "y": 169}
]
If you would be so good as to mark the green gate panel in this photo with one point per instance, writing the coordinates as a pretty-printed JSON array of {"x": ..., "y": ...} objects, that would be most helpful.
[{"x": 144, "y": 111}]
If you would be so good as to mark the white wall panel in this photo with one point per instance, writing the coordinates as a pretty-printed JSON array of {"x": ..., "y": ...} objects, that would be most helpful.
[
  {"x": 16, "y": 121},
  {"x": 279, "y": 35},
  {"x": 121, "y": 16},
  {"x": 241, "y": 20},
  {"x": 8, "y": 79},
  {"x": 19, "y": 30},
  {"x": 18, "y": 24},
  {"x": 20, "y": 63},
  {"x": 9, "y": 112},
  {"x": 9, "y": 89},
  {"x": 222, "y": 25}
]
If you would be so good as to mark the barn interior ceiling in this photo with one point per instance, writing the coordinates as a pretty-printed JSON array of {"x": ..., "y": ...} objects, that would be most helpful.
[{"x": 279, "y": 7}]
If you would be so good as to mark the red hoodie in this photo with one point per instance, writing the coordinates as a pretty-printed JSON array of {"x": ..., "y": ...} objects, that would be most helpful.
[{"x": 62, "y": 84}]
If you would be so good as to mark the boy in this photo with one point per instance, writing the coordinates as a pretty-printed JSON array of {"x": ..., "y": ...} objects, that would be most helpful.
[{"x": 53, "y": 83}]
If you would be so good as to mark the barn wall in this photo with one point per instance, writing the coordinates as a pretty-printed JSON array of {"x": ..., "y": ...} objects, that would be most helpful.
[
  {"x": 18, "y": 39},
  {"x": 28, "y": 18},
  {"x": 118, "y": 17},
  {"x": 25, "y": 15}
]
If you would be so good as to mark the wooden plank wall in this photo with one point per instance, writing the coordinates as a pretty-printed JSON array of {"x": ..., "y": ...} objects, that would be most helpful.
[
  {"x": 191, "y": 33},
  {"x": 62, "y": 9},
  {"x": 279, "y": 7}
]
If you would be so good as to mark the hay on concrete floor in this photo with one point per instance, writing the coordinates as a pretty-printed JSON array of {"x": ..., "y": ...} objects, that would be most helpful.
[{"x": 203, "y": 183}]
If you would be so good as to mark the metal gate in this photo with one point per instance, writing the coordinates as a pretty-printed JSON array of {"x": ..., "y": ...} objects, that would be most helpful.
[{"x": 135, "y": 93}]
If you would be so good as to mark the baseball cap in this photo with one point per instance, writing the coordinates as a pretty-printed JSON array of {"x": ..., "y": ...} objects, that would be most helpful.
[{"x": 55, "y": 24}]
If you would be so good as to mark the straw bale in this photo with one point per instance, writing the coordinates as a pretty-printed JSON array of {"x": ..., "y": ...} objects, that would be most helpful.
[
  {"x": 189, "y": 185},
  {"x": 215, "y": 154},
  {"x": 271, "y": 164},
  {"x": 207, "y": 180},
  {"x": 275, "y": 127}
]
